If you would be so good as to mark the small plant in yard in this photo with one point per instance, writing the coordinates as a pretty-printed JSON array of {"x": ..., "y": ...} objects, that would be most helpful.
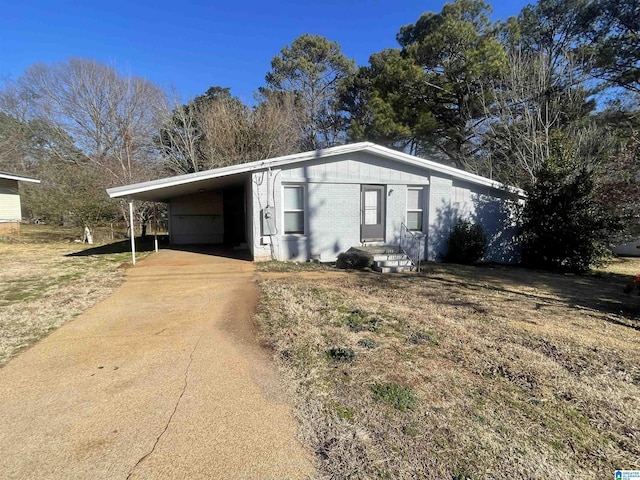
[
  {"x": 341, "y": 354},
  {"x": 464, "y": 476},
  {"x": 345, "y": 413},
  {"x": 367, "y": 343},
  {"x": 633, "y": 285},
  {"x": 422, "y": 338},
  {"x": 357, "y": 321},
  {"x": 467, "y": 243},
  {"x": 395, "y": 395}
]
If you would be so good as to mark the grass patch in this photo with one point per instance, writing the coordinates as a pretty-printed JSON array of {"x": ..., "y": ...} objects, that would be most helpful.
[
  {"x": 621, "y": 266},
  {"x": 45, "y": 284},
  {"x": 277, "y": 266},
  {"x": 359, "y": 321},
  {"x": 518, "y": 373},
  {"x": 395, "y": 395}
]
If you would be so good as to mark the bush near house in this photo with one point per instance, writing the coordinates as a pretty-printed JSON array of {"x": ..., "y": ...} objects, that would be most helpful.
[
  {"x": 467, "y": 243},
  {"x": 564, "y": 226},
  {"x": 354, "y": 259}
]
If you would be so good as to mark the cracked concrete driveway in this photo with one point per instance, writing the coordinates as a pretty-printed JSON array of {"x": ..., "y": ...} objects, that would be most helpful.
[{"x": 164, "y": 379}]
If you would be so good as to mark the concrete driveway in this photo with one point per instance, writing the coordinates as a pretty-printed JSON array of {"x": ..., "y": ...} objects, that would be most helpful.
[{"x": 164, "y": 379}]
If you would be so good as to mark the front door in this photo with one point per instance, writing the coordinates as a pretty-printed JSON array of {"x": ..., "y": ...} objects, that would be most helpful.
[{"x": 373, "y": 213}]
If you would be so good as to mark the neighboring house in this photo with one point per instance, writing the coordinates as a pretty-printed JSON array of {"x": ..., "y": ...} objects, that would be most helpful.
[
  {"x": 10, "y": 208},
  {"x": 316, "y": 204},
  {"x": 629, "y": 249}
]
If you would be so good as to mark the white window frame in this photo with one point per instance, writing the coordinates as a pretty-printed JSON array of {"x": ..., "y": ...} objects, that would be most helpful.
[
  {"x": 411, "y": 210},
  {"x": 303, "y": 209}
]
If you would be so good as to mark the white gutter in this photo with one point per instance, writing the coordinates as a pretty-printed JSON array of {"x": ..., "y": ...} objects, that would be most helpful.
[{"x": 10, "y": 176}]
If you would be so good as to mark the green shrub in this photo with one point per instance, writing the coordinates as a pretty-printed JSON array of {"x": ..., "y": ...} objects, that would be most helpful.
[
  {"x": 395, "y": 395},
  {"x": 564, "y": 226},
  {"x": 467, "y": 243},
  {"x": 354, "y": 259},
  {"x": 341, "y": 354}
]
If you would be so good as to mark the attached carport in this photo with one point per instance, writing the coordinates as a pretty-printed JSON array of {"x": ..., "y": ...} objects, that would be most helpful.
[{"x": 204, "y": 208}]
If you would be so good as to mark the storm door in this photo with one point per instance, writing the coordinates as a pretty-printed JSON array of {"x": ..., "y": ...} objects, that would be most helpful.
[{"x": 373, "y": 213}]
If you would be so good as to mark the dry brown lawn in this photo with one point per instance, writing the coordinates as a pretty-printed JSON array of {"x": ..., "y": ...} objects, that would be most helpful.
[
  {"x": 42, "y": 286},
  {"x": 461, "y": 372}
]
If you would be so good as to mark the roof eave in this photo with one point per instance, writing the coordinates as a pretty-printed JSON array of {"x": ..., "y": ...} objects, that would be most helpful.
[
  {"x": 19, "y": 178},
  {"x": 133, "y": 189}
]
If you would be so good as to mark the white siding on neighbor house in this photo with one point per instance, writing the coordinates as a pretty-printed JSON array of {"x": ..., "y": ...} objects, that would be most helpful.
[
  {"x": 630, "y": 249},
  {"x": 9, "y": 201},
  {"x": 196, "y": 219}
]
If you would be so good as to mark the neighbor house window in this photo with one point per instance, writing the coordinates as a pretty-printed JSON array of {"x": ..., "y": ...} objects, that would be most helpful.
[
  {"x": 294, "y": 209},
  {"x": 414, "y": 208}
]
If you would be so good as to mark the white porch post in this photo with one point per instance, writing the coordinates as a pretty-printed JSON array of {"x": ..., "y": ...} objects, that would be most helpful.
[
  {"x": 155, "y": 230},
  {"x": 132, "y": 233}
]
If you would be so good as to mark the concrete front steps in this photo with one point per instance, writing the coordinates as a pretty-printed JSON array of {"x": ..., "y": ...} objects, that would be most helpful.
[{"x": 388, "y": 258}]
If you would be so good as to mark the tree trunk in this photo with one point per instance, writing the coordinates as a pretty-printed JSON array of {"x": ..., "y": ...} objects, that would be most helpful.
[{"x": 87, "y": 237}]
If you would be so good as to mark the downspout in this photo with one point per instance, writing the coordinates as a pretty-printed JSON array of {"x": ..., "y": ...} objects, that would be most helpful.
[{"x": 268, "y": 185}]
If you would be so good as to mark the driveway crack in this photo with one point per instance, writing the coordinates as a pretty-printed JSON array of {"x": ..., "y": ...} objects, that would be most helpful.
[{"x": 175, "y": 409}]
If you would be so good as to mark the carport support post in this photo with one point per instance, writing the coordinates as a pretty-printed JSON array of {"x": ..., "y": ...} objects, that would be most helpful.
[
  {"x": 132, "y": 233},
  {"x": 155, "y": 230}
]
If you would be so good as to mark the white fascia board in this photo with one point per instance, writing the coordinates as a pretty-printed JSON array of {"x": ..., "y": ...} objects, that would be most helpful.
[
  {"x": 11, "y": 176},
  {"x": 161, "y": 183}
]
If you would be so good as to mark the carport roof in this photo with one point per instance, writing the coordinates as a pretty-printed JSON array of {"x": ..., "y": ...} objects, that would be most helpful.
[{"x": 180, "y": 185}]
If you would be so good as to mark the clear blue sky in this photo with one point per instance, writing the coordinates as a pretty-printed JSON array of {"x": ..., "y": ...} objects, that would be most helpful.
[{"x": 192, "y": 45}]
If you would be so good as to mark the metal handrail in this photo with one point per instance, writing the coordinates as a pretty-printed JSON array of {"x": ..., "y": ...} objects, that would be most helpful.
[{"x": 414, "y": 240}]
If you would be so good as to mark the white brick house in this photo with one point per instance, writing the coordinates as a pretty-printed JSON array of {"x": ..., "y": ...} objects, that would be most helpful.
[{"x": 314, "y": 205}]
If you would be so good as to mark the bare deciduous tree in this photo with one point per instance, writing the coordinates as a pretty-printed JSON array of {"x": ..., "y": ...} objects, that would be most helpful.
[
  {"x": 101, "y": 120},
  {"x": 223, "y": 131},
  {"x": 110, "y": 118},
  {"x": 532, "y": 100}
]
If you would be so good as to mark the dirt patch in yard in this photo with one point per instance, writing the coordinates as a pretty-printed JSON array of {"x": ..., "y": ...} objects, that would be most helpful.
[{"x": 462, "y": 372}]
